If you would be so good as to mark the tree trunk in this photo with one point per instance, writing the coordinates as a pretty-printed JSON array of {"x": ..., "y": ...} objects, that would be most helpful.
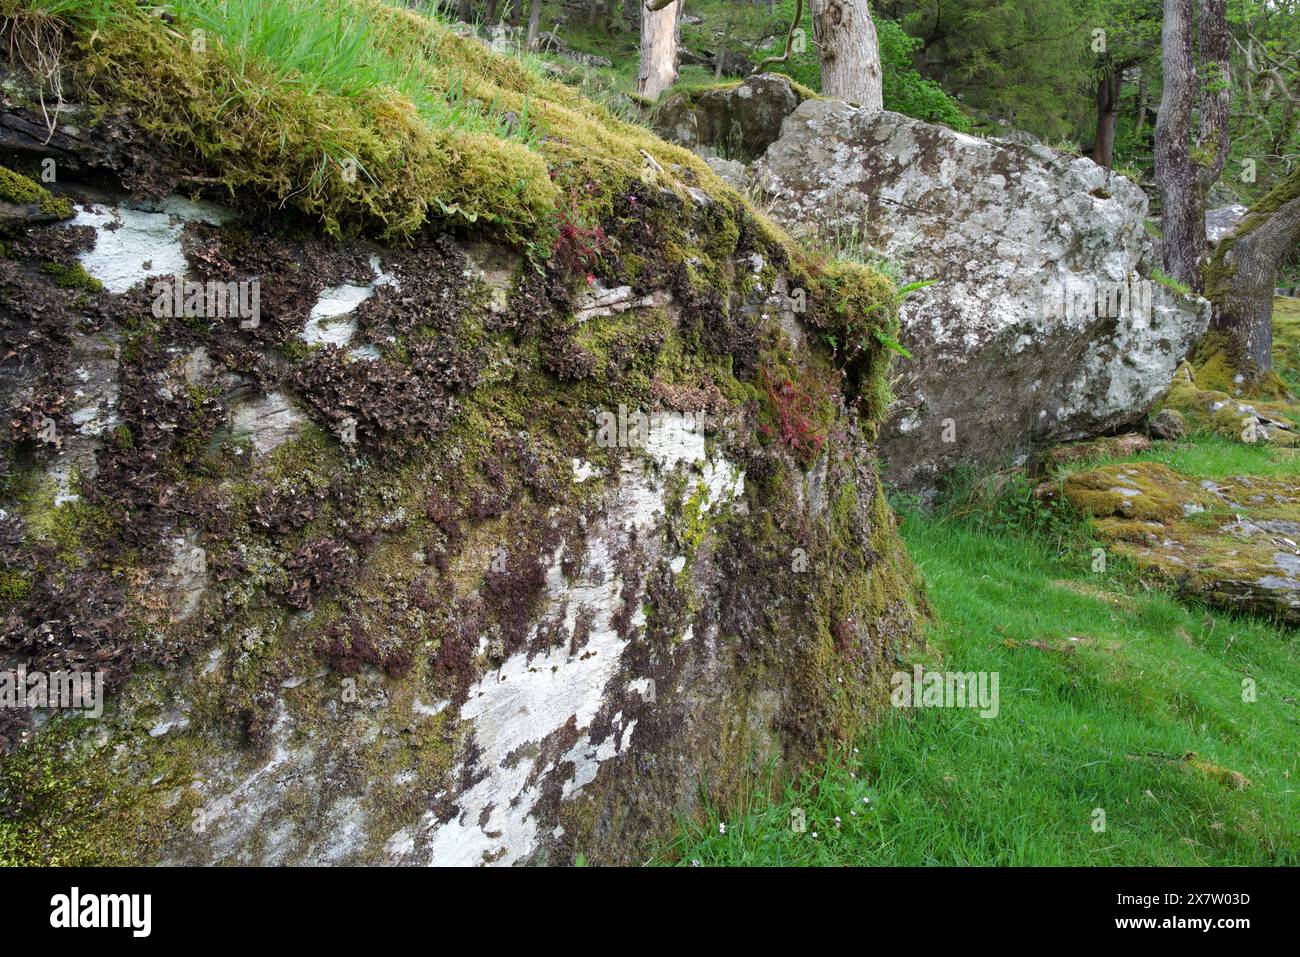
[
  {"x": 1108, "y": 90},
  {"x": 658, "y": 47},
  {"x": 1243, "y": 272},
  {"x": 849, "y": 52},
  {"x": 534, "y": 25},
  {"x": 1216, "y": 95},
  {"x": 1143, "y": 102},
  {"x": 1184, "y": 219},
  {"x": 464, "y": 10}
]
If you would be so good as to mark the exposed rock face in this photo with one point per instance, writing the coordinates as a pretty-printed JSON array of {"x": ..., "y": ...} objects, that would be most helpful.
[
  {"x": 1235, "y": 544},
  {"x": 735, "y": 122},
  {"x": 1010, "y": 351},
  {"x": 395, "y": 571},
  {"x": 1219, "y": 221},
  {"x": 1169, "y": 425}
]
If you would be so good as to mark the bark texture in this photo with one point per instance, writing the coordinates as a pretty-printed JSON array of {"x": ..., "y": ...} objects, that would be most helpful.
[
  {"x": 1108, "y": 89},
  {"x": 1184, "y": 176},
  {"x": 659, "y": 25},
  {"x": 850, "y": 54},
  {"x": 1184, "y": 231},
  {"x": 1243, "y": 272}
]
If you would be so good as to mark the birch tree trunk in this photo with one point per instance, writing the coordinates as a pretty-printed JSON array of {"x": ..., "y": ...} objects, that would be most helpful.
[
  {"x": 1183, "y": 224},
  {"x": 849, "y": 52},
  {"x": 658, "y": 47}
]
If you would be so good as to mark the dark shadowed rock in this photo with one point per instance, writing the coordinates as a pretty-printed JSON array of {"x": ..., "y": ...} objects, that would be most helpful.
[
  {"x": 1168, "y": 425},
  {"x": 735, "y": 121}
]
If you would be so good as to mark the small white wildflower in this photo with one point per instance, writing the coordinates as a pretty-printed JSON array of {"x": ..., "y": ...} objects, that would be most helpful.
[
  {"x": 814, "y": 833},
  {"x": 722, "y": 828},
  {"x": 695, "y": 863}
]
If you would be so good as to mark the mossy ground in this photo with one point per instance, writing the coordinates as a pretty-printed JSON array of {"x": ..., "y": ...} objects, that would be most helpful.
[{"x": 1184, "y": 511}]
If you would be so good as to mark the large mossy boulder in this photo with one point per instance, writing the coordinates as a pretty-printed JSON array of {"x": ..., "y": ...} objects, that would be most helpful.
[
  {"x": 449, "y": 550},
  {"x": 1042, "y": 321}
]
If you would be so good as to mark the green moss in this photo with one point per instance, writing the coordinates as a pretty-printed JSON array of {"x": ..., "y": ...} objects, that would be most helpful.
[
  {"x": 22, "y": 191},
  {"x": 70, "y": 801},
  {"x": 14, "y": 586},
  {"x": 66, "y": 526},
  {"x": 72, "y": 277},
  {"x": 1138, "y": 491},
  {"x": 1210, "y": 400}
]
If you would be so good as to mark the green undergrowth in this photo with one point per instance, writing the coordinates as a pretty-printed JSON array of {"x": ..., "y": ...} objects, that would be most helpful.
[
  {"x": 1114, "y": 696},
  {"x": 1110, "y": 699},
  {"x": 1286, "y": 341}
]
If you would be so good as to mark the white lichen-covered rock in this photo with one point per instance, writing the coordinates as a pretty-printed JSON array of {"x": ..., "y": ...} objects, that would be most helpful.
[
  {"x": 428, "y": 559},
  {"x": 1009, "y": 350}
]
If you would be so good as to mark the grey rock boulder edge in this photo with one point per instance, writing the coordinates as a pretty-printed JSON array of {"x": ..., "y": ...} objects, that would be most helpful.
[{"x": 995, "y": 377}]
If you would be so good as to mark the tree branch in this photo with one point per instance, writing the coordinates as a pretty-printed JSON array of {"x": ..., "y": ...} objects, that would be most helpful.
[{"x": 789, "y": 40}]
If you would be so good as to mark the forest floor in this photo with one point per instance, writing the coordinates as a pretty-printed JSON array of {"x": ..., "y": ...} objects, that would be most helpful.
[{"x": 1132, "y": 727}]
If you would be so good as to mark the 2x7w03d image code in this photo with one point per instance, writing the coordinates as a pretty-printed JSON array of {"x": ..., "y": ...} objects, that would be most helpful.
[{"x": 163, "y": 904}]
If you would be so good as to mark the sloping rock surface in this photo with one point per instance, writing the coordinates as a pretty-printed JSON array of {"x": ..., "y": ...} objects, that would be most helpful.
[{"x": 1233, "y": 543}]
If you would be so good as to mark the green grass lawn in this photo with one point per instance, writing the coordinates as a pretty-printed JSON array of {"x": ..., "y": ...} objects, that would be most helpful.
[{"x": 1110, "y": 699}]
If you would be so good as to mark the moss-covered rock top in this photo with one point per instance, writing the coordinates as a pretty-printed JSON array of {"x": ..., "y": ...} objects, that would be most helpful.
[
  {"x": 21, "y": 191},
  {"x": 367, "y": 116}
]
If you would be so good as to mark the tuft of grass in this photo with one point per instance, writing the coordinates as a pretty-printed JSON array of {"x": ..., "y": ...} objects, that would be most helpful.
[{"x": 1169, "y": 282}]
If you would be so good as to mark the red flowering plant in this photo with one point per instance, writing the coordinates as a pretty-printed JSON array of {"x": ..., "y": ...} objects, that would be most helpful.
[
  {"x": 798, "y": 415},
  {"x": 579, "y": 247}
]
